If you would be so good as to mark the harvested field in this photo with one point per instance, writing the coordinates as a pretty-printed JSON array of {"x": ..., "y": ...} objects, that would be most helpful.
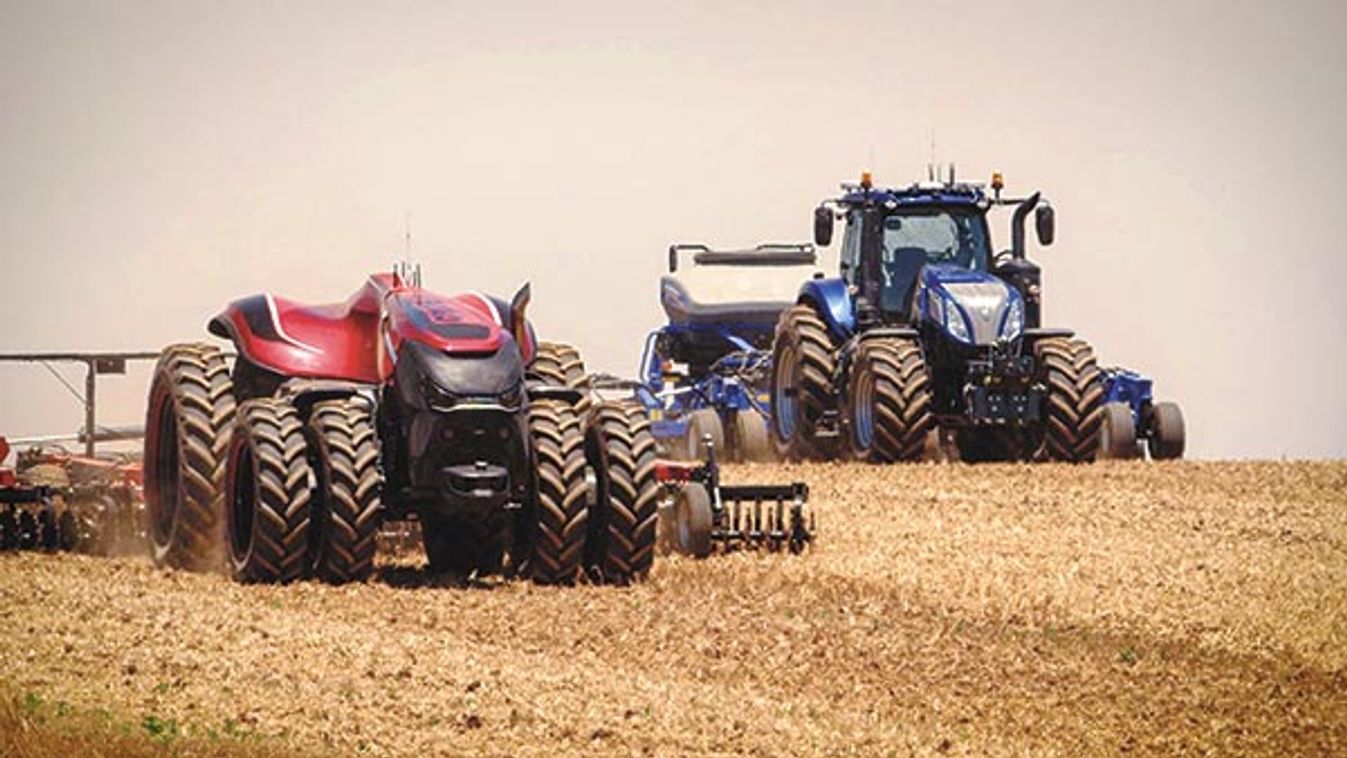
[{"x": 1124, "y": 607}]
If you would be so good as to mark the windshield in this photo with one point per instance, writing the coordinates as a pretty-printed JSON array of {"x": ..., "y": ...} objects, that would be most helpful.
[{"x": 943, "y": 235}]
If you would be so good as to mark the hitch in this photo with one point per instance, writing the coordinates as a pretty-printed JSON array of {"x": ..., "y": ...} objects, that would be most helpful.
[{"x": 705, "y": 514}]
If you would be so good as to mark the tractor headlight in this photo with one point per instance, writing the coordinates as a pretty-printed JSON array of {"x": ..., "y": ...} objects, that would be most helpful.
[
  {"x": 1013, "y": 324},
  {"x": 955, "y": 323}
]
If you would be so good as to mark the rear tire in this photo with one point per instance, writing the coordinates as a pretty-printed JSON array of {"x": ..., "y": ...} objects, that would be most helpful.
[
  {"x": 692, "y": 521},
  {"x": 752, "y": 441},
  {"x": 560, "y": 508},
  {"x": 1118, "y": 433},
  {"x": 703, "y": 422},
  {"x": 888, "y": 403},
  {"x": 622, "y": 525},
  {"x": 557, "y": 364},
  {"x": 802, "y": 390},
  {"x": 267, "y": 494},
  {"x": 187, "y": 430},
  {"x": 1167, "y": 432},
  {"x": 1074, "y": 403},
  {"x": 348, "y": 508}
]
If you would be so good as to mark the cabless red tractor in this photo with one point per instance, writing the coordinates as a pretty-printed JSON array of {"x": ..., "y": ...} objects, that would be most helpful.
[{"x": 396, "y": 404}]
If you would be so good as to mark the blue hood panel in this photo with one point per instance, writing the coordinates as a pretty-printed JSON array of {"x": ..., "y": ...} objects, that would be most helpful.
[{"x": 981, "y": 301}]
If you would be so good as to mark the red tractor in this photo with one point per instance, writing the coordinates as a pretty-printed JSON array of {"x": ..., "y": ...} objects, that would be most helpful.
[{"x": 396, "y": 404}]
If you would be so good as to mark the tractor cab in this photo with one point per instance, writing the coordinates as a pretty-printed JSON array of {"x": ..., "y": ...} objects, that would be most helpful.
[{"x": 922, "y": 255}]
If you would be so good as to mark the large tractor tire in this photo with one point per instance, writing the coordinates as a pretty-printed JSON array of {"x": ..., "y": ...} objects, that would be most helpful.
[
  {"x": 1167, "y": 432},
  {"x": 804, "y": 361},
  {"x": 752, "y": 440},
  {"x": 465, "y": 545},
  {"x": 620, "y": 449},
  {"x": 557, "y": 364},
  {"x": 348, "y": 510},
  {"x": 1118, "y": 434},
  {"x": 267, "y": 493},
  {"x": 187, "y": 429},
  {"x": 1074, "y": 406},
  {"x": 703, "y": 423},
  {"x": 560, "y": 511},
  {"x": 888, "y": 403}
]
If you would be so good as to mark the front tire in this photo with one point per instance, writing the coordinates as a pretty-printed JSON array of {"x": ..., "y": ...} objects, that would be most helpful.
[
  {"x": 557, "y": 364},
  {"x": 804, "y": 361},
  {"x": 560, "y": 510},
  {"x": 621, "y": 450},
  {"x": 888, "y": 405},
  {"x": 1074, "y": 403},
  {"x": 349, "y": 508},
  {"x": 187, "y": 431}
]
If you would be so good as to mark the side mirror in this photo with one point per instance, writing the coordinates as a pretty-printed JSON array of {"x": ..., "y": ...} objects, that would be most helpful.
[
  {"x": 823, "y": 226},
  {"x": 1045, "y": 224}
]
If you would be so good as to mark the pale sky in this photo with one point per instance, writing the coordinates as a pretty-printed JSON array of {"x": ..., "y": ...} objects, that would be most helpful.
[{"x": 161, "y": 159}]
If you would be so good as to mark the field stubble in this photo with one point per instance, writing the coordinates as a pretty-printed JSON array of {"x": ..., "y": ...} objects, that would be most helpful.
[{"x": 1182, "y": 607}]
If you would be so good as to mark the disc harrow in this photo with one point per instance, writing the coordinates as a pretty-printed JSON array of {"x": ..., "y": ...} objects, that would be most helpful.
[{"x": 705, "y": 515}]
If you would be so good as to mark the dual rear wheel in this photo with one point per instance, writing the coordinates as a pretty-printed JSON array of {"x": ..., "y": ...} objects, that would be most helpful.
[{"x": 254, "y": 488}]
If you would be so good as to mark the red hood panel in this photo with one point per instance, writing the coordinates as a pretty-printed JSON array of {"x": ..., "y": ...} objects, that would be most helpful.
[
  {"x": 358, "y": 340},
  {"x": 459, "y": 324}
]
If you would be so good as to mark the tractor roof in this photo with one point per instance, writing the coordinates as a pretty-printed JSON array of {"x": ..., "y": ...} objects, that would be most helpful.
[{"x": 925, "y": 193}]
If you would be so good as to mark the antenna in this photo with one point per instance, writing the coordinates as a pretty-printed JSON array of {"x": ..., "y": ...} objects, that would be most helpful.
[{"x": 407, "y": 239}]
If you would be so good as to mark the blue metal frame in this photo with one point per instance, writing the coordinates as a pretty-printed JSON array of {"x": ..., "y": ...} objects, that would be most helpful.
[
  {"x": 1126, "y": 386},
  {"x": 670, "y": 404}
]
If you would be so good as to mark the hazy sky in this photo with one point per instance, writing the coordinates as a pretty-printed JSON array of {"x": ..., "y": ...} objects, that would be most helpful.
[{"x": 158, "y": 160}]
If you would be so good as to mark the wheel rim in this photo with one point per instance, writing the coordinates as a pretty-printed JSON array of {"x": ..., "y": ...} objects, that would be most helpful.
[
  {"x": 166, "y": 482},
  {"x": 242, "y": 496},
  {"x": 864, "y": 411},
  {"x": 783, "y": 412}
]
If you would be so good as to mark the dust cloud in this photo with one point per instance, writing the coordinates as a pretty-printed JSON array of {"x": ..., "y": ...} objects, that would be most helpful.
[{"x": 160, "y": 159}]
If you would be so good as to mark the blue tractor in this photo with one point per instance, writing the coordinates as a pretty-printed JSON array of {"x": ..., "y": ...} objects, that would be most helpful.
[
  {"x": 706, "y": 371},
  {"x": 929, "y": 342}
]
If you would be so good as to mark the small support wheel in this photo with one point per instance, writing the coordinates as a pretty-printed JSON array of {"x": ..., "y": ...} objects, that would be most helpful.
[
  {"x": 692, "y": 521},
  {"x": 1167, "y": 432},
  {"x": 1118, "y": 434},
  {"x": 702, "y": 422}
]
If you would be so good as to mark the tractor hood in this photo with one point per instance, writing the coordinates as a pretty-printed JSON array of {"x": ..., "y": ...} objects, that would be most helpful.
[{"x": 970, "y": 307}]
